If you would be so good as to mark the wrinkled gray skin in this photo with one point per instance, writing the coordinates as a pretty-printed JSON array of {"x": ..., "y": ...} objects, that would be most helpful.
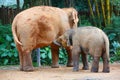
[{"x": 86, "y": 40}]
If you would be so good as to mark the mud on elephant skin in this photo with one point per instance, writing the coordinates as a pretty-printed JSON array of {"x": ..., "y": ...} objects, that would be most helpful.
[
  {"x": 37, "y": 27},
  {"x": 86, "y": 40}
]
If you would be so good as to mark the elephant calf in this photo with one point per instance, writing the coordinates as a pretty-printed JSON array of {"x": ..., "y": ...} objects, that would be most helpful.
[{"x": 86, "y": 40}]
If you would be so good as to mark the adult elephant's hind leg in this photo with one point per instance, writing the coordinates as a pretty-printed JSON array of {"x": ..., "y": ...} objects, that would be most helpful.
[
  {"x": 69, "y": 52},
  {"x": 55, "y": 55},
  {"x": 20, "y": 56},
  {"x": 27, "y": 61},
  {"x": 21, "y": 60}
]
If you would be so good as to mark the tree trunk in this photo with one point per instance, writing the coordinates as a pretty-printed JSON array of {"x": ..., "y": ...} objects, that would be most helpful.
[
  {"x": 38, "y": 56},
  {"x": 47, "y": 2},
  {"x": 103, "y": 12},
  {"x": 69, "y": 3},
  {"x": 18, "y": 6},
  {"x": 97, "y": 11},
  {"x": 50, "y": 3},
  {"x": 108, "y": 11},
  {"x": 91, "y": 12}
]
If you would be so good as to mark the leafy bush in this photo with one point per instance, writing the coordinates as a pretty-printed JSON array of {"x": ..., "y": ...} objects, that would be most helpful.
[
  {"x": 113, "y": 35},
  {"x": 8, "y": 52},
  {"x": 84, "y": 21},
  {"x": 63, "y": 57},
  {"x": 46, "y": 56},
  {"x": 114, "y": 48}
]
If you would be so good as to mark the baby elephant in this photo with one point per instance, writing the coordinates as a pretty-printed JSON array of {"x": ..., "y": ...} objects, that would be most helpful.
[{"x": 86, "y": 40}]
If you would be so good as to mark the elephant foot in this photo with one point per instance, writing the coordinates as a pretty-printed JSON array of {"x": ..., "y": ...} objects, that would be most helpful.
[
  {"x": 85, "y": 68},
  {"x": 94, "y": 69},
  {"x": 27, "y": 69},
  {"x": 106, "y": 70},
  {"x": 55, "y": 66},
  {"x": 69, "y": 64},
  {"x": 75, "y": 69},
  {"x": 21, "y": 68}
]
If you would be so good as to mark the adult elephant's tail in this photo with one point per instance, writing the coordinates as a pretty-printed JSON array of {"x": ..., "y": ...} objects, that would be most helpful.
[{"x": 14, "y": 28}]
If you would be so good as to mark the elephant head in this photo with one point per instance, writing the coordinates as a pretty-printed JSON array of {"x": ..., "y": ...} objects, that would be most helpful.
[
  {"x": 66, "y": 39},
  {"x": 72, "y": 16}
]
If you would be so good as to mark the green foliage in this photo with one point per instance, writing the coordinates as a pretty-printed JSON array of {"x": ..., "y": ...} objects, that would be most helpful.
[
  {"x": 45, "y": 56},
  {"x": 115, "y": 51},
  {"x": 115, "y": 21},
  {"x": 84, "y": 21},
  {"x": 62, "y": 56},
  {"x": 116, "y": 4},
  {"x": 58, "y": 3},
  {"x": 81, "y": 5},
  {"x": 113, "y": 35},
  {"x": 8, "y": 52}
]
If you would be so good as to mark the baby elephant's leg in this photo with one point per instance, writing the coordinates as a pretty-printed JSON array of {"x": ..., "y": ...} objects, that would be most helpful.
[
  {"x": 75, "y": 56},
  {"x": 96, "y": 53},
  {"x": 106, "y": 67},
  {"x": 85, "y": 62},
  {"x": 95, "y": 64}
]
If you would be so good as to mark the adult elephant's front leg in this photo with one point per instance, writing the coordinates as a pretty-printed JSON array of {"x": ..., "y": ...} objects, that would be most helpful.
[
  {"x": 69, "y": 52},
  {"x": 55, "y": 55},
  {"x": 27, "y": 61}
]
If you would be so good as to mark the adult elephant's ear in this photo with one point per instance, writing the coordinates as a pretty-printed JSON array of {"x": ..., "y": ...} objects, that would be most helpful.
[{"x": 73, "y": 18}]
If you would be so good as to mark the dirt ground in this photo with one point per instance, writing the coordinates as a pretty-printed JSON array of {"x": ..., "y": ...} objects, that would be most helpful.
[{"x": 62, "y": 73}]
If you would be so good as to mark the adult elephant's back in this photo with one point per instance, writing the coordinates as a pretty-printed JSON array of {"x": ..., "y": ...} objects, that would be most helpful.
[{"x": 40, "y": 25}]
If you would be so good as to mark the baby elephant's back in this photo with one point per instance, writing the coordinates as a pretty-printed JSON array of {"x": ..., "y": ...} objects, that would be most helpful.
[{"x": 90, "y": 37}]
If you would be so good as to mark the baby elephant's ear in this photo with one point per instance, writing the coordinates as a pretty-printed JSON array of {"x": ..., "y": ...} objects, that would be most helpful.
[
  {"x": 68, "y": 42},
  {"x": 70, "y": 36}
]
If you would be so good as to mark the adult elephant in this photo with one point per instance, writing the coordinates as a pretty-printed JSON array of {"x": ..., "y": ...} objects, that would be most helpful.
[{"x": 38, "y": 27}]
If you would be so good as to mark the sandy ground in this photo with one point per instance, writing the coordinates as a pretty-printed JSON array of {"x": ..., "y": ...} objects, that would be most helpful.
[{"x": 62, "y": 73}]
